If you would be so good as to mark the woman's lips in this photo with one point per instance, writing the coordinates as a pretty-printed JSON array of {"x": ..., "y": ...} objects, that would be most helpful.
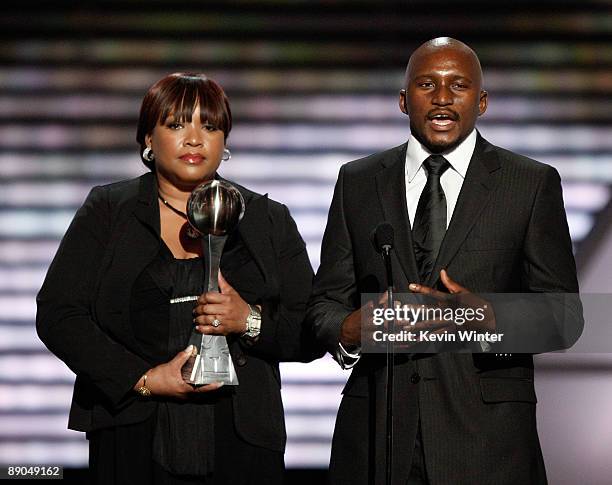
[{"x": 192, "y": 158}]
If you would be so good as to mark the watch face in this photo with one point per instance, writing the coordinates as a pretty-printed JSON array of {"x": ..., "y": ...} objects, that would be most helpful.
[{"x": 253, "y": 322}]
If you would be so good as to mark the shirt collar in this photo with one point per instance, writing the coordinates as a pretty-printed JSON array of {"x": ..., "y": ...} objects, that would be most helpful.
[{"x": 459, "y": 157}]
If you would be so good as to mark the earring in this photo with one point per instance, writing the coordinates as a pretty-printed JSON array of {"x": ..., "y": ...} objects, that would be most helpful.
[
  {"x": 148, "y": 155},
  {"x": 226, "y": 155}
]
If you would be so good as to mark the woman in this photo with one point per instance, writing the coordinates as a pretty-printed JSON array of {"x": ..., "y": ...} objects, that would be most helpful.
[{"x": 117, "y": 306}]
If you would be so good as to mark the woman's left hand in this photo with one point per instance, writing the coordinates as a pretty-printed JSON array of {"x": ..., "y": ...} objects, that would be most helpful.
[{"x": 226, "y": 308}]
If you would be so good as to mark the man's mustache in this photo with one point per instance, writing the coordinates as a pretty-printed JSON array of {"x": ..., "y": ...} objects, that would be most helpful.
[{"x": 453, "y": 115}]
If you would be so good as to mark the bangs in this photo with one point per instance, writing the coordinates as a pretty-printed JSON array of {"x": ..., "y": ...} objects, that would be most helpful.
[
  {"x": 183, "y": 99},
  {"x": 178, "y": 95}
]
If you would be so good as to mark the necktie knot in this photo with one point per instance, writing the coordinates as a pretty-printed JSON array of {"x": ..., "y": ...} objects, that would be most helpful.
[{"x": 436, "y": 165}]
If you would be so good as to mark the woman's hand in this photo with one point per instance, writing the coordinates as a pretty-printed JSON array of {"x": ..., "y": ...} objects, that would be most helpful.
[
  {"x": 227, "y": 308},
  {"x": 166, "y": 380}
]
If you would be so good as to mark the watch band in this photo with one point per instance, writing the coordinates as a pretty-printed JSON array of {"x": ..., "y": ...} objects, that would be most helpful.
[
  {"x": 253, "y": 323},
  {"x": 144, "y": 390}
]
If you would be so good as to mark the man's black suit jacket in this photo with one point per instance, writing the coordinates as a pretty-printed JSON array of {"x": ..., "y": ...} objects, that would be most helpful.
[
  {"x": 508, "y": 233},
  {"x": 84, "y": 307}
]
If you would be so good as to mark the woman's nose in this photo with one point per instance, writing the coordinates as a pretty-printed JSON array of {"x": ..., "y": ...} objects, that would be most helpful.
[{"x": 194, "y": 137}]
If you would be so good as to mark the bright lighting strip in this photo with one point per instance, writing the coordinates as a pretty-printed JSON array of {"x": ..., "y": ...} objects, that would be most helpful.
[{"x": 316, "y": 107}]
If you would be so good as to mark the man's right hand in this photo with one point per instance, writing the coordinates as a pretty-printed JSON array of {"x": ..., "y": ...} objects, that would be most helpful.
[
  {"x": 350, "y": 331},
  {"x": 166, "y": 380}
]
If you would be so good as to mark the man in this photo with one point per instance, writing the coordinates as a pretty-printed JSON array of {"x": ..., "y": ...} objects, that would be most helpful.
[{"x": 467, "y": 216}]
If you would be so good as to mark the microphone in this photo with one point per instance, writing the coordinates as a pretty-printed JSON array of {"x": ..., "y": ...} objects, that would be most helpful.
[
  {"x": 383, "y": 237},
  {"x": 383, "y": 243}
]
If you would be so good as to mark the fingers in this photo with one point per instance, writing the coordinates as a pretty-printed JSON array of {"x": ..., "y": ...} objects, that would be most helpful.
[
  {"x": 208, "y": 387},
  {"x": 206, "y": 314},
  {"x": 166, "y": 379},
  {"x": 450, "y": 284},
  {"x": 224, "y": 287},
  {"x": 183, "y": 356},
  {"x": 212, "y": 330},
  {"x": 425, "y": 290},
  {"x": 214, "y": 323},
  {"x": 213, "y": 297},
  {"x": 210, "y": 309},
  {"x": 206, "y": 319}
]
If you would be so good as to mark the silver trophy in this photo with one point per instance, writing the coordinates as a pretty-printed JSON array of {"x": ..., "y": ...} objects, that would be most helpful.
[{"x": 214, "y": 209}]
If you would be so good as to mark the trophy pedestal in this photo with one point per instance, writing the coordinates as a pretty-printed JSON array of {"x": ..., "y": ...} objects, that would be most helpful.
[{"x": 210, "y": 362}]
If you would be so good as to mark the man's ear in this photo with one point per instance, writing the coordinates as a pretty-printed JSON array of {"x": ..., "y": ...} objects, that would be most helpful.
[
  {"x": 483, "y": 103},
  {"x": 402, "y": 101}
]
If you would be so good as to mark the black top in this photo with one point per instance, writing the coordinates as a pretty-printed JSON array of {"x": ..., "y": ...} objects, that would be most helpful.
[{"x": 162, "y": 329}]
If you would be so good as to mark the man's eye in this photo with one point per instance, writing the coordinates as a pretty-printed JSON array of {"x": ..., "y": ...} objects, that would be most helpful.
[
  {"x": 426, "y": 84},
  {"x": 460, "y": 85}
]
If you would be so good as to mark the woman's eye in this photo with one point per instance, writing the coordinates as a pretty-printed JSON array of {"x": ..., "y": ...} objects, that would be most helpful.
[
  {"x": 175, "y": 126},
  {"x": 209, "y": 127}
]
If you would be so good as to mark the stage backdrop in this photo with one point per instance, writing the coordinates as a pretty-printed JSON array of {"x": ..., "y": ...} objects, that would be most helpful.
[{"x": 312, "y": 85}]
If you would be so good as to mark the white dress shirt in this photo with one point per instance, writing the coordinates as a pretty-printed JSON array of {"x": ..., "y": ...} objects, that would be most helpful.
[
  {"x": 451, "y": 180},
  {"x": 416, "y": 177}
]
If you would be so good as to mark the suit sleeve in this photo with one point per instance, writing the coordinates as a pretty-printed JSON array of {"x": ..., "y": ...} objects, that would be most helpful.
[
  {"x": 64, "y": 318},
  {"x": 284, "y": 335},
  {"x": 334, "y": 290},
  {"x": 548, "y": 259},
  {"x": 552, "y": 319}
]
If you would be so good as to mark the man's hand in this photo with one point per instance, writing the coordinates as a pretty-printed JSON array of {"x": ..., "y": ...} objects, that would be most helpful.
[
  {"x": 463, "y": 298},
  {"x": 350, "y": 331}
]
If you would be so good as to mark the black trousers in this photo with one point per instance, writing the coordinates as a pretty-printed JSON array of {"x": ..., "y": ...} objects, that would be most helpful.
[
  {"x": 418, "y": 471},
  {"x": 123, "y": 455}
]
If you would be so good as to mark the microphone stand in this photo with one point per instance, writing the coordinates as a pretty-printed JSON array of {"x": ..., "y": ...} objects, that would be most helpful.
[{"x": 386, "y": 254}]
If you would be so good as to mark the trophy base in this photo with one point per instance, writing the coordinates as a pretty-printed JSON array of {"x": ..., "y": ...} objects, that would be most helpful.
[{"x": 193, "y": 373}]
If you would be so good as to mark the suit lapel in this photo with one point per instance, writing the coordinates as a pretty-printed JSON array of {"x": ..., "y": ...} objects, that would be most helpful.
[
  {"x": 391, "y": 188},
  {"x": 480, "y": 181},
  {"x": 147, "y": 208}
]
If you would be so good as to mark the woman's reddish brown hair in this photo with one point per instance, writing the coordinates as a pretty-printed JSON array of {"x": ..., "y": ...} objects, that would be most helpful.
[{"x": 178, "y": 95}]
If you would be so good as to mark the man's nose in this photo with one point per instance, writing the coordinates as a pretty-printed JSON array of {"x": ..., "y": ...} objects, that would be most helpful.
[{"x": 442, "y": 96}]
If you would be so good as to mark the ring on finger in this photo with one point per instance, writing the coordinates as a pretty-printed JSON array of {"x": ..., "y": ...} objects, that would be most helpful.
[{"x": 216, "y": 322}]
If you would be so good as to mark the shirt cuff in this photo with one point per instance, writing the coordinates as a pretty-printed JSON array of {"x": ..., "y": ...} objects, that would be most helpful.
[
  {"x": 485, "y": 346},
  {"x": 347, "y": 359}
]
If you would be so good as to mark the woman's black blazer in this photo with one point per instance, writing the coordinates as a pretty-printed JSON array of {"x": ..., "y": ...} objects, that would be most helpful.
[{"x": 84, "y": 307}]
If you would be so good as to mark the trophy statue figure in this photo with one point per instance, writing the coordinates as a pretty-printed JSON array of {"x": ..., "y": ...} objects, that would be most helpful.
[{"x": 214, "y": 209}]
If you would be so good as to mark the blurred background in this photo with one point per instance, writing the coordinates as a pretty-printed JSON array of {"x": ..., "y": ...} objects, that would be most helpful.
[{"x": 312, "y": 85}]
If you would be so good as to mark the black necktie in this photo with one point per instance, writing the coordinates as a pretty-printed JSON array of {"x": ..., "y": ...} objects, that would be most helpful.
[{"x": 430, "y": 220}]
